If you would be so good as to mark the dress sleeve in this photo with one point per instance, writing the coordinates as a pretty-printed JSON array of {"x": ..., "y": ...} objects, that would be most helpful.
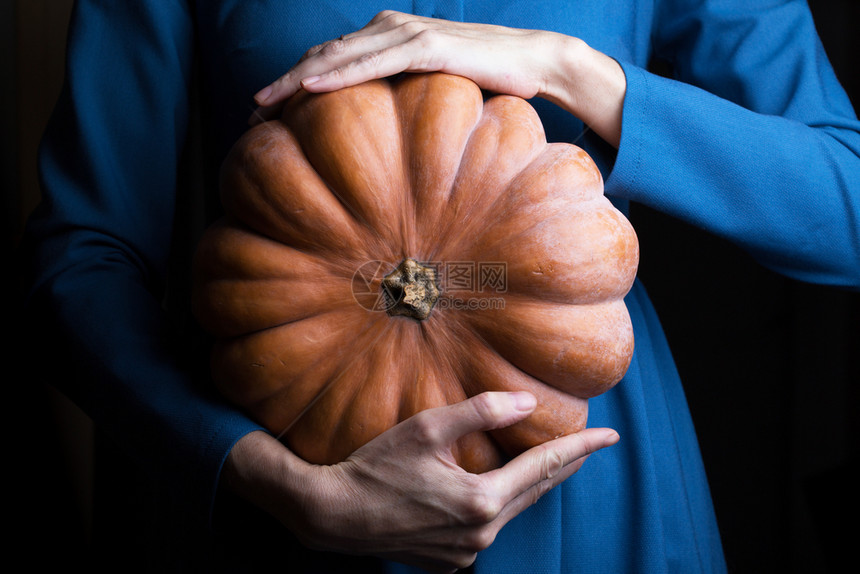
[
  {"x": 96, "y": 250},
  {"x": 753, "y": 139}
]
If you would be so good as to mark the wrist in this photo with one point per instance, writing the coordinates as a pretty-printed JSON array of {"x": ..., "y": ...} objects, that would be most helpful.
[
  {"x": 588, "y": 84},
  {"x": 263, "y": 472}
]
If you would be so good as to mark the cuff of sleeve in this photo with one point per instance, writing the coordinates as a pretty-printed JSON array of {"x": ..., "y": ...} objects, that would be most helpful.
[
  {"x": 218, "y": 449},
  {"x": 622, "y": 180}
]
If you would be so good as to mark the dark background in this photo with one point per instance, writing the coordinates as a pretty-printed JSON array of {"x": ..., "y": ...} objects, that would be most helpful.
[
  {"x": 770, "y": 368},
  {"x": 769, "y": 364}
]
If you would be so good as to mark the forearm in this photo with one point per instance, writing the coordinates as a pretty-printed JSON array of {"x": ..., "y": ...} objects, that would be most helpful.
[
  {"x": 787, "y": 192},
  {"x": 100, "y": 344},
  {"x": 97, "y": 249},
  {"x": 263, "y": 472},
  {"x": 752, "y": 139}
]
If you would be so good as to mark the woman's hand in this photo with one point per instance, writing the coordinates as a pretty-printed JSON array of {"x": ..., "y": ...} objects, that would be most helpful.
[
  {"x": 402, "y": 496},
  {"x": 525, "y": 63}
]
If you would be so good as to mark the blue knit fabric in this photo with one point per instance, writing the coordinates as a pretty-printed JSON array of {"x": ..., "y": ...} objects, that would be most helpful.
[{"x": 754, "y": 141}]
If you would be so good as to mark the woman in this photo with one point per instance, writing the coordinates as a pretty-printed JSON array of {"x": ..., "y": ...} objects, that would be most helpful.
[{"x": 754, "y": 141}]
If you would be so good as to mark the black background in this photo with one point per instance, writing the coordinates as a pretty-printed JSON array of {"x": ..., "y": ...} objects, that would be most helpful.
[{"x": 770, "y": 367}]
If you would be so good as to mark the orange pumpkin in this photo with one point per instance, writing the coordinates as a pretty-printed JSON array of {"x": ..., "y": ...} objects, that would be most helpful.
[{"x": 405, "y": 244}]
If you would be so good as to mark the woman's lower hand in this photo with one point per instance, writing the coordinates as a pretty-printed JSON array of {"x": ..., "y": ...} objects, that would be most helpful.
[{"x": 402, "y": 496}]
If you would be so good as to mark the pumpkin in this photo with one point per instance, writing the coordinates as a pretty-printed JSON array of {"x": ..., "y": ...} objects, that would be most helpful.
[{"x": 405, "y": 244}]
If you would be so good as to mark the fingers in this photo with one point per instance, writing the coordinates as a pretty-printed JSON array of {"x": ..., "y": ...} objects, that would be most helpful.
[
  {"x": 526, "y": 478},
  {"x": 521, "y": 483},
  {"x": 441, "y": 516},
  {"x": 508, "y": 491},
  {"x": 335, "y": 62},
  {"x": 529, "y": 476},
  {"x": 551, "y": 461},
  {"x": 444, "y": 425},
  {"x": 378, "y": 41},
  {"x": 373, "y": 62},
  {"x": 320, "y": 59},
  {"x": 382, "y": 48}
]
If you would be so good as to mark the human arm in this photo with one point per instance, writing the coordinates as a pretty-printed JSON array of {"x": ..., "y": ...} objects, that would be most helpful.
[
  {"x": 417, "y": 507},
  {"x": 754, "y": 140},
  {"x": 97, "y": 250}
]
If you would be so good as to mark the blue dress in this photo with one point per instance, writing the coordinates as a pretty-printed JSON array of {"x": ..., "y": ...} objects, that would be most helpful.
[{"x": 753, "y": 140}]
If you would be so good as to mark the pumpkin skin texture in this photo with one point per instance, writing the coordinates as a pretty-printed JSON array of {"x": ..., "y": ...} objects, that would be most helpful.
[{"x": 324, "y": 202}]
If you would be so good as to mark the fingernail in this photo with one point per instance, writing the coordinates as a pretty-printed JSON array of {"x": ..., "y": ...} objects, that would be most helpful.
[
  {"x": 263, "y": 95},
  {"x": 310, "y": 81},
  {"x": 524, "y": 401},
  {"x": 612, "y": 437}
]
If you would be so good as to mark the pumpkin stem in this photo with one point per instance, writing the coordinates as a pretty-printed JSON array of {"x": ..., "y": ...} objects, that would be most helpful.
[{"x": 410, "y": 290}]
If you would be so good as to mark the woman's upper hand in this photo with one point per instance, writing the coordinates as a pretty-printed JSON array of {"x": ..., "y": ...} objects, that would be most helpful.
[
  {"x": 402, "y": 496},
  {"x": 524, "y": 63}
]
